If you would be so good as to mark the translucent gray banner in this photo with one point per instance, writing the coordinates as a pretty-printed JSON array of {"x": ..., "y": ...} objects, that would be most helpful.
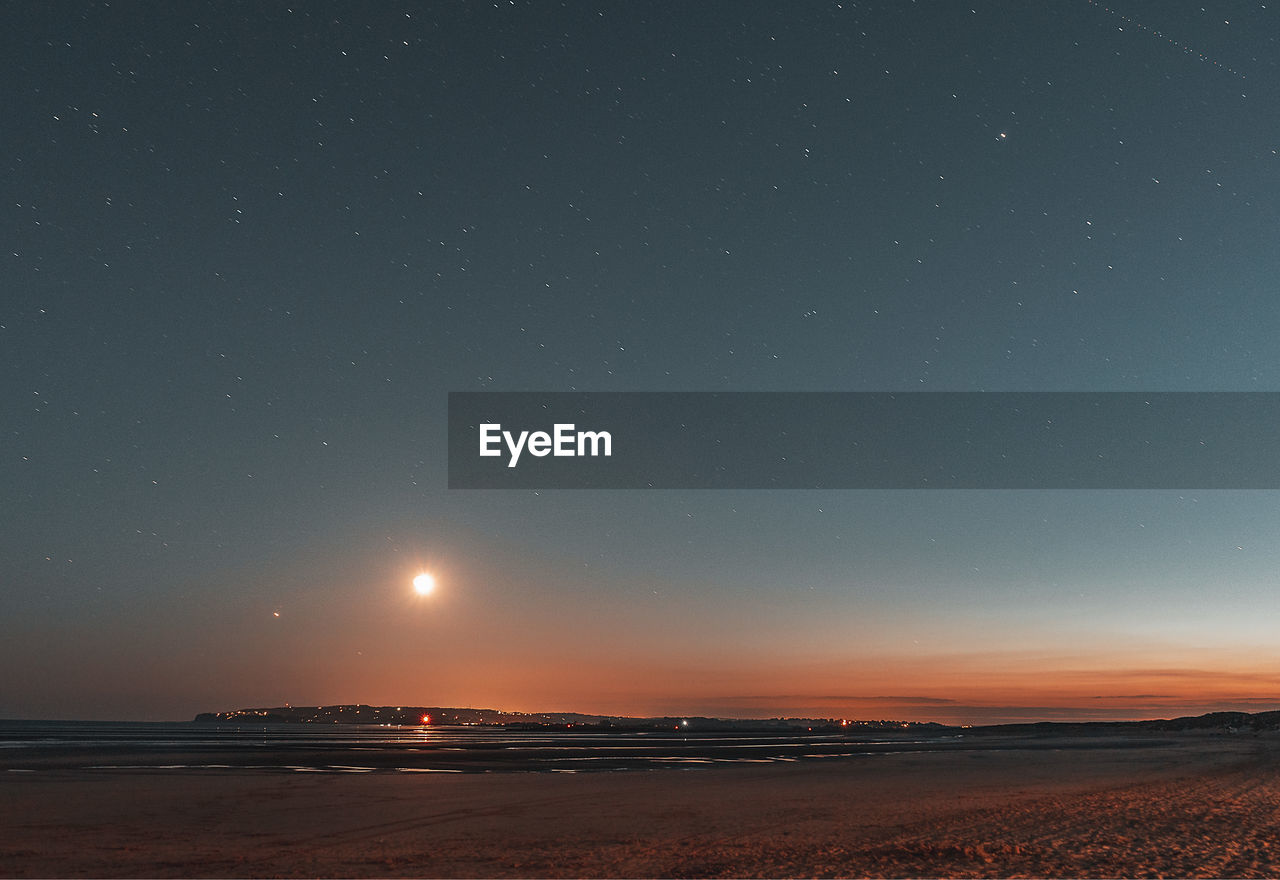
[{"x": 864, "y": 440}]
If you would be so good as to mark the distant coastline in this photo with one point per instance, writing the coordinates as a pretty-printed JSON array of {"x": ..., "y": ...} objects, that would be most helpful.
[
  {"x": 1228, "y": 722},
  {"x": 443, "y": 715}
]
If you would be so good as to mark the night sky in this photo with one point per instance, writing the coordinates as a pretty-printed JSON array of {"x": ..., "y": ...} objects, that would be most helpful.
[{"x": 249, "y": 248}]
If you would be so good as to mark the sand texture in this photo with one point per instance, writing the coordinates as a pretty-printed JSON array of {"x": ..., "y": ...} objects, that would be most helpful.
[{"x": 1205, "y": 806}]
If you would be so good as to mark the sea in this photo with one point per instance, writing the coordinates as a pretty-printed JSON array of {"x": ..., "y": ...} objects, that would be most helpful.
[{"x": 90, "y": 746}]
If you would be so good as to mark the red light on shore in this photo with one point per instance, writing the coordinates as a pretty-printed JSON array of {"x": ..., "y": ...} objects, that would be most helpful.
[{"x": 426, "y": 719}]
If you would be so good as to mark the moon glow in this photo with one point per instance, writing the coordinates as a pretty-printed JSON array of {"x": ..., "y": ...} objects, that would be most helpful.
[{"x": 423, "y": 584}]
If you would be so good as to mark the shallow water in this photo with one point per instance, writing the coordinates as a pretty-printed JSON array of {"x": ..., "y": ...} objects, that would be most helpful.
[{"x": 352, "y": 748}]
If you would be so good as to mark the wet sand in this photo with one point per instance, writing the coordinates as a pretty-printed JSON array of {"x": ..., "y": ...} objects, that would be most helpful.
[{"x": 1203, "y": 806}]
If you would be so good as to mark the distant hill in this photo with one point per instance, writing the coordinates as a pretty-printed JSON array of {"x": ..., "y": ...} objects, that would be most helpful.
[
  {"x": 1221, "y": 720},
  {"x": 1224, "y": 721}
]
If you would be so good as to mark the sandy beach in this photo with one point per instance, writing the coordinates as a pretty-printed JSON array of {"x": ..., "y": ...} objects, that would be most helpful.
[{"x": 1205, "y": 806}]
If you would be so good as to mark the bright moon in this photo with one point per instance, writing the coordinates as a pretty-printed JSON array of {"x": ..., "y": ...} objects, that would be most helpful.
[{"x": 424, "y": 584}]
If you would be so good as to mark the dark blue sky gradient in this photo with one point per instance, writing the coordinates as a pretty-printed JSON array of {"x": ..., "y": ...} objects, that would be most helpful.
[{"x": 249, "y": 249}]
